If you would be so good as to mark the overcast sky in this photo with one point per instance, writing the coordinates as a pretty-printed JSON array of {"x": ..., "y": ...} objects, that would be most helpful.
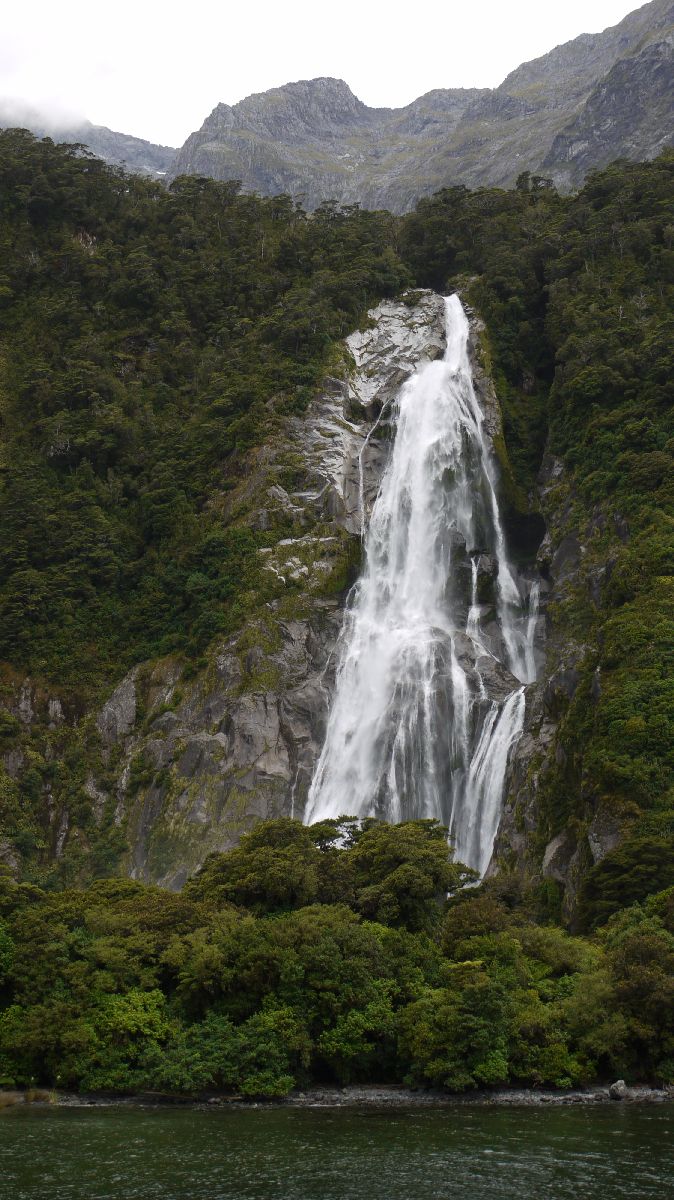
[{"x": 157, "y": 69}]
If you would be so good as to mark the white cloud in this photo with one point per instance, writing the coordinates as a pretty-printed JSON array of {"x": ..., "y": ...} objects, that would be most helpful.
[{"x": 157, "y": 69}]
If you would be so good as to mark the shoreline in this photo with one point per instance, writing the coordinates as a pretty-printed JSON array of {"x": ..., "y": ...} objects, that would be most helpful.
[
  {"x": 366, "y": 1096},
  {"x": 402, "y": 1097}
]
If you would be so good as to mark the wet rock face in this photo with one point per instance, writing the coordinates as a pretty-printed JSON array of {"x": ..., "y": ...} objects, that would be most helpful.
[
  {"x": 118, "y": 715},
  {"x": 537, "y": 754},
  {"x": 482, "y": 380},
  {"x": 224, "y": 757},
  {"x": 343, "y": 438},
  {"x": 555, "y": 824},
  {"x": 239, "y": 743},
  {"x": 402, "y": 339}
]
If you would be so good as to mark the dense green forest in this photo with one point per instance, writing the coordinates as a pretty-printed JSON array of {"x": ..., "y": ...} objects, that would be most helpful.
[
  {"x": 152, "y": 341},
  {"x": 325, "y": 954},
  {"x": 149, "y": 337}
]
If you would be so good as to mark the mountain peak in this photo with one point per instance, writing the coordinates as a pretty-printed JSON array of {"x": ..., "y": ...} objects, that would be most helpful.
[
  {"x": 315, "y": 139},
  {"x": 305, "y": 106}
]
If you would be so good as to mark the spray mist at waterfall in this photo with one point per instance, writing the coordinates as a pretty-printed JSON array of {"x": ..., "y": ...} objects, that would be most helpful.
[{"x": 437, "y": 641}]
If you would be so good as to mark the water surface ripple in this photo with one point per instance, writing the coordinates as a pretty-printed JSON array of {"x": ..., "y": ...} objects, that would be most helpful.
[{"x": 450, "y": 1153}]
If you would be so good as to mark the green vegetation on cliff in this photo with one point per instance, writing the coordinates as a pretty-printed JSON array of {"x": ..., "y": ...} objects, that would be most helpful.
[
  {"x": 153, "y": 340},
  {"x": 148, "y": 339},
  {"x": 326, "y": 955},
  {"x": 578, "y": 297}
]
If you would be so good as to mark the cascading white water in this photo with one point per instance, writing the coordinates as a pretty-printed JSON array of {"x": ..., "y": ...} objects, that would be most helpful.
[{"x": 429, "y": 699}]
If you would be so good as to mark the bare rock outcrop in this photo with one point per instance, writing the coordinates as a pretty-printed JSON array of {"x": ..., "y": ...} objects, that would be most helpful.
[{"x": 582, "y": 105}]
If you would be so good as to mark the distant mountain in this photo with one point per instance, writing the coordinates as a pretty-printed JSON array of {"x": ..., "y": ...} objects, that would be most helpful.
[
  {"x": 316, "y": 140},
  {"x": 599, "y": 97},
  {"x": 119, "y": 149},
  {"x": 123, "y": 150}
]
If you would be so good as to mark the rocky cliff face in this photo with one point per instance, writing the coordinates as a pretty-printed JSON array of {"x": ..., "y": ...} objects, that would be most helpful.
[
  {"x": 555, "y": 826},
  {"x": 196, "y": 761},
  {"x": 181, "y": 763},
  {"x": 594, "y": 99},
  {"x": 627, "y": 115},
  {"x": 315, "y": 140}
]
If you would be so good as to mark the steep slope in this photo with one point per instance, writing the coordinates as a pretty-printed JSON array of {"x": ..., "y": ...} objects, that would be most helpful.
[
  {"x": 118, "y": 149},
  {"x": 180, "y": 444},
  {"x": 569, "y": 72},
  {"x": 316, "y": 140},
  {"x": 575, "y": 108},
  {"x": 122, "y": 149},
  {"x": 628, "y": 115},
  {"x": 193, "y": 325}
]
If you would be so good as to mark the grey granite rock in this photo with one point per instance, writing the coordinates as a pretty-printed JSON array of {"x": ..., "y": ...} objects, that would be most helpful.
[
  {"x": 118, "y": 715},
  {"x": 618, "y": 1090},
  {"x": 582, "y": 105},
  {"x": 341, "y": 439}
]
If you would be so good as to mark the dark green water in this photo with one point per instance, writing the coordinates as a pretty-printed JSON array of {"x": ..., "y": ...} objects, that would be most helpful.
[{"x": 332, "y": 1154}]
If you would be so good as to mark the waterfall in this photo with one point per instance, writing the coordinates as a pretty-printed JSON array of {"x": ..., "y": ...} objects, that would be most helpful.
[{"x": 437, "y": 640}]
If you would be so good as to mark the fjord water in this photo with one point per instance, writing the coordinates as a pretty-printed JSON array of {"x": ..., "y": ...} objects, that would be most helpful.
[
  {"x": 429, "y": 697},
  {"x": 447, "y": 1153}
]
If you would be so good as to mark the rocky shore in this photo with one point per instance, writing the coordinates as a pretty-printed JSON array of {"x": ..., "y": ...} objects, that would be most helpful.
[
  {"x": 402, "y": 1097},
  {"x": 370, "y": 1096}
]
